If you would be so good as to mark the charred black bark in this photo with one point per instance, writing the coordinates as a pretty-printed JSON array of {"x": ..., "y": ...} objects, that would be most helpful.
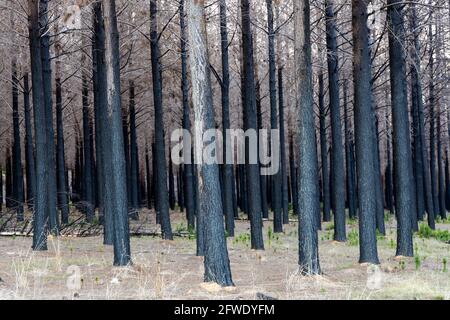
[
  {"x": 41, "y": 198},
  {"x": 29, "y": 149},
  {"x": 63, "y": 200},
  {"x": 284, "y": 177},
  {"x": 404, "y": 185},
  {"x": 134, "y": 161},
  {"x": 188, "y": 172},
  {"x": 250, "y": 122},
  {"x": 308, "y": 185},
  {"x": 337, "y": 155},
  {"x": 326, "y": 196},
  {"x": 350, "y": 159},
  {"x": 363, "y": 133},
  {"x": 18, "y": 190},
  {"x": 160, "y": 150}
]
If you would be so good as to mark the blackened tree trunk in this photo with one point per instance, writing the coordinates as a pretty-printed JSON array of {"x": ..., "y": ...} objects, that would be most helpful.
[
  {"x": 276, "y": 186},
  {"x": 134, "y": 161},
  {"x": 389, "y": 181},
  {"x": 350, "y": 159},
  {"x": 29, "y": 149},
  {"x": 337, "y": 155},
  {"x": 293, "y": 176},
  {"x": 102, "y": 125},
  {"x": 180, "y": 188},
  {"x": 47, "y": 88},
  {"x": 217, "y": 264},
  {"x": 9, "y": 180},
  {"x": 441, "y": 170},
  {"x": 172, "y": 199},
  {"x": 422, "y": 172},
  {"x": 41, "y": 198},
  {"x": 404, "y": 184},
  {"x": 63, "y": 200},
  {"x": 188, "y": 172},
  {"x": 284, "y": 177},
  {"x": 126, "y": 149},
  {"x": 308, "y": 186},
  {"x": 188, "y": 179},
  {"x": 117, "y": 176},
  {"x": 324, "y": 153},
  {"x": 18, "y": 190},
  {"x": 228, "y": 174},
  {"x": 259, "y": 116},
  {"x": 148, "y": 178},
  {"x": 378, "y": 181},
  {"x": 160, "y": 150},
  {"x": 250, "y": 123},
  {"x": 88, "y": 184},
  {"x": 432, "y": 116},
  {"x": 363, "y": 133}
]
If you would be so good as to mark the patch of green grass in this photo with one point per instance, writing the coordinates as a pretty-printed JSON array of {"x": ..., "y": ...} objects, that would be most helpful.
[
  {"x": 426, "y": 232},
  {"x": 443, "y": 221},
  {"x": 444, "y": 265},
  {"x": 243, "y": 238},
  {"x": 353, "y": 238},
  {"x": 352, "y": 222},
  {"x": 417, "y": 261},
  {"x": 392, "y": 244},
  {"x": 180, "y": 228}
]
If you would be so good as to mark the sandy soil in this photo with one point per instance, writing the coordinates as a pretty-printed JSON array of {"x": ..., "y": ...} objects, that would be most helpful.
[{"x": 81, "y": 268}]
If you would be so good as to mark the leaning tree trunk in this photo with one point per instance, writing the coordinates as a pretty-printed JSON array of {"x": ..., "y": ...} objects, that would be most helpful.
[
  {"x": 114, "y": 153},
  {"x": 217, "y": 264},
  {"x": 308, "y": 186},
  {"x": 337, "y": 155},
  {"x": 250, "y": 123},
  {"x": 404, "y": 185},
  {"x": 363, "y": 115},
  {"x": 41, "y": 198},
  {"x": 160, "y": 149}
]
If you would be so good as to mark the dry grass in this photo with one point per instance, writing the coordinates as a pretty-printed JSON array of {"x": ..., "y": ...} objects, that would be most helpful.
[{"x": 170, "y": 270}]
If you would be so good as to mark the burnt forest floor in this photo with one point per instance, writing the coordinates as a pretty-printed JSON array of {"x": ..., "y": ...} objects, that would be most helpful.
[{"x": 81, "y": 267}]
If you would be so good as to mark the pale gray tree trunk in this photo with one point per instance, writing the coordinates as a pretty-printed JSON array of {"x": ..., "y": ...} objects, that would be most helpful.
[{"x": 217, "y": 263}]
